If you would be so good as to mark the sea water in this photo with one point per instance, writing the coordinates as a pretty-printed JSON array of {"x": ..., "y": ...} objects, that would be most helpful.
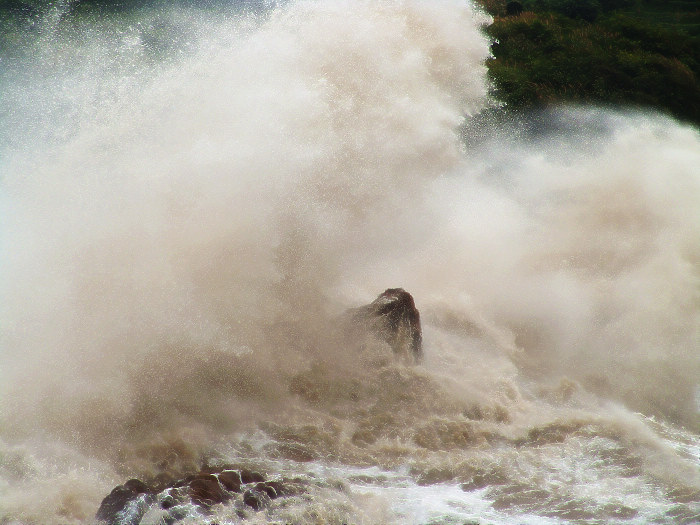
[{"x": 192, "y": 196}]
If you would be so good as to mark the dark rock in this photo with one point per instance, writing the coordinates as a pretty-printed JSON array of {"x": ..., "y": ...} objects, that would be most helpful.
[
  {"x": 128, "y": 503},
  {"x": 393, "y": 317},
  {"x": 206, "y": 490},
  {"x": 137, "y": 486},
  {"x": 167, "y": 502},
  {"x": 119, "y": 498},
  {"x": 256, "y": 499},
  {"x": 183, "y": 482},
  {"x": 231, "y": 479},
  {"x": 249, "y": 476},
  {"x": 268, "y": 488}
]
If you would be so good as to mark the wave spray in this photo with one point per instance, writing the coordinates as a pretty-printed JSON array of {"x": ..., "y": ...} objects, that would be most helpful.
[{"x": 193, "y": 197}]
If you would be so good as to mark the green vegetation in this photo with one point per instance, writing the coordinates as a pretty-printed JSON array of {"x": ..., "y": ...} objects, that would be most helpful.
[
  {"x": 619, "y": 52},
  {"x": 642, "y": 53}
]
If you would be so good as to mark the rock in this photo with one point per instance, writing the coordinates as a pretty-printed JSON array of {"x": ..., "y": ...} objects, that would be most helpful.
[
  {"x": 394, "y": 318},
  {"x": 231, "y": 480},
  {"x": 127, "y": 504},
  {"x": 167, "y": 501},
  {"x": 206, "y": 490},
  {"x": 256, "y": 499},
  {"x": 269, "y": 488},
  {"x": 248, "y": 476},
  {"x": 118, "y": 500}
]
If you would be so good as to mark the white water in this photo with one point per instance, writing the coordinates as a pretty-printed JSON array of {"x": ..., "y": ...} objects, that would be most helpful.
[{"x": 190, "y": 199}]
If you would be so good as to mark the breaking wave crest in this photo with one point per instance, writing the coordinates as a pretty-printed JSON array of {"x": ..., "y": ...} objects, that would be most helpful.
[{"x": 194, "y": 198}]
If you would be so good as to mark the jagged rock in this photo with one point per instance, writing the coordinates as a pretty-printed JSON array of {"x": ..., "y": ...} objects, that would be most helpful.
[
  {"x": 248, "y": 476},
  {"x": 256, "y": 499},
  {"x": 394, "y": 318},
  {"x": 118, "y": 500},
  {"x": 127, "y": 504},
  {"x": 271, "y": 488},
  {"x": 167, "y": 501},
  {"x": 231, "y": 480},
  {"x": 206, "y": 490}
]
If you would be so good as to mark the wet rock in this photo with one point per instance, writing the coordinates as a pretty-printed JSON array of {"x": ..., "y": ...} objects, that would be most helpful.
[
  {"x": 270, "y": 488},
  {"x": 249, "y": 476},
  {"x": 206, "y": 490},
  {"x": 167, "y": 502},
  {"x": 394, "y": 318},
  {"x": 256, "y": 499},
  {"x": 119, "y": 499},
  {"x": 137, "y": 486},
  {"x": 127, "y": 504},
  {"x": 182, "y": 482},
  {"x": 231, "y": 480}
]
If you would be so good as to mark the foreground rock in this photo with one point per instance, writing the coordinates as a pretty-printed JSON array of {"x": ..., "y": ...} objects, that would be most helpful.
[
  {"x": 121, "y": 498},
  {"x": 130, "y": 503},
  {"x": 394, "y": 318}
]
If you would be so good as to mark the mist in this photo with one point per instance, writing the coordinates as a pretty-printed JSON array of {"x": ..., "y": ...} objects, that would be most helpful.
[{"x": 184, "y": 224}]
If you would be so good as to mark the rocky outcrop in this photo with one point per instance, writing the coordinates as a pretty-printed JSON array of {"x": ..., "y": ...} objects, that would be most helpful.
[
  {"x": 394, "y": 318},
  {"x": 128, "y": 504},
  {"x": 119, "y": 501}
]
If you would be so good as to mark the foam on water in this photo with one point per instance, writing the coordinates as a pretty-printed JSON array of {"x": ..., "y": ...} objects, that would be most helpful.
[{"x": 194, "y": 196}]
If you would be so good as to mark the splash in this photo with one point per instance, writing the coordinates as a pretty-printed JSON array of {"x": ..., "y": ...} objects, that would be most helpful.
[{"x": 194, "y": 197}]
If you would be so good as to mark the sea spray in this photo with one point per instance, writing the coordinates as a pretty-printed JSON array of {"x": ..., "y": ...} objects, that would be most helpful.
[{"x": 196, "y": 197}]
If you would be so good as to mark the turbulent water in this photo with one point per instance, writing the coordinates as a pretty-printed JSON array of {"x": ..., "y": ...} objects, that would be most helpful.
[{"x": 191, "y": 197}]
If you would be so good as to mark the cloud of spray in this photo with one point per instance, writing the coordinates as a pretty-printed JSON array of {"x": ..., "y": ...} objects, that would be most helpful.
[
  {"x": 575, "y": 250},
  {"x": 183, "y": 232},
  {"x": 171, "y": 250}
]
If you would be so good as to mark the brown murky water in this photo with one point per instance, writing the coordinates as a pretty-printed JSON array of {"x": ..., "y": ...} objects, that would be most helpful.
[{"x": 193, "y": 197}]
